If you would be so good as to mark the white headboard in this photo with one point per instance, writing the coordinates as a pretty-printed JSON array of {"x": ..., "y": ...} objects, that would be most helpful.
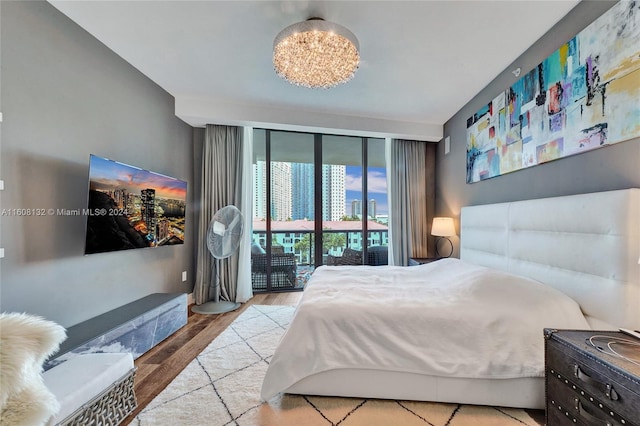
[{"x": 585, "y": 245}]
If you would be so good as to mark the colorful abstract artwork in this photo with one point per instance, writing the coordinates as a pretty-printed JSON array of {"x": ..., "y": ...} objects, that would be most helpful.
[{"x": 585, "y": 95}]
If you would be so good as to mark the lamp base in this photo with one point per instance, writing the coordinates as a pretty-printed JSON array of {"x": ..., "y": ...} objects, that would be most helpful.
[
  {"x": 450, "y": 243},
  {"x": 210, "y": 308}
]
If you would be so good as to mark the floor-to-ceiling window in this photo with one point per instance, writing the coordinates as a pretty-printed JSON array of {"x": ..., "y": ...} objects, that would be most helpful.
[
  {"x": 341, "y": 194},
  {"x": 311, "y": 200},
  {"x": 376, "y": 202}
]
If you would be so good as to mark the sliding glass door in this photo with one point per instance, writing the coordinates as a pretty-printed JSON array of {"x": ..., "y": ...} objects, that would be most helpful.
[
  {"x": 342, "y": 219},
  {"x": 376, "y": 203},
  {"x": 311, "y": 202}
]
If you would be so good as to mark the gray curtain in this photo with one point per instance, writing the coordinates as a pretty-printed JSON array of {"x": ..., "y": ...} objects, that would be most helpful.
[
  {"x": 411, "y": 199},
  {"x": 220, "y": 185}
]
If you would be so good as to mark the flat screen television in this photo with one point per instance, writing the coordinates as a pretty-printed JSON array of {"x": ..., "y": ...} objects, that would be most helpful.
[{"x": 131, "y": 208}]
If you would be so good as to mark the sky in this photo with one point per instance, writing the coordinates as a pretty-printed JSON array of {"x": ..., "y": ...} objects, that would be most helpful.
[
  {"x": 109, "y": 174},
  {"x": 377, "y": 185}
]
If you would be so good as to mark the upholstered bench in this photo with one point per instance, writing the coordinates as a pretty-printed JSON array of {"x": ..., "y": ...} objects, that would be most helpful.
[{"x": 92, "y": 389}]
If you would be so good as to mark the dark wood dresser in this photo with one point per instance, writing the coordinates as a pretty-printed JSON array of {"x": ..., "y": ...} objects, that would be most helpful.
[{"x": 586, "y": 383}]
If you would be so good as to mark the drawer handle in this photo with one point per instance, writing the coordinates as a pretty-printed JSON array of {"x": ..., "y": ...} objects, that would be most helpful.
[
  {"x": 609, "y": 391},
  {"x": 589, "y": 418}
]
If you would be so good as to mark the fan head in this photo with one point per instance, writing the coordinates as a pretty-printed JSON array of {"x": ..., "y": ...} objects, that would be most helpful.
[{"x": 225, "y": 230}]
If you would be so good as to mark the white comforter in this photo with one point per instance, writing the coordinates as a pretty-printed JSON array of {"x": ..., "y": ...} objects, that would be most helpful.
[{"x": 447, "y": 318}]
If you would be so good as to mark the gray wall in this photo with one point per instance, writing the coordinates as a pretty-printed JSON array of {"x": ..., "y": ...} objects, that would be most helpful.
[
  {"x": 65, "y": 96},
  {"x": 612, "y": 167}
]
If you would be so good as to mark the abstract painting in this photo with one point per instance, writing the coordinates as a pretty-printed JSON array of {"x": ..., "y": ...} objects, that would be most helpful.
[{"x": 585, "y": 95}]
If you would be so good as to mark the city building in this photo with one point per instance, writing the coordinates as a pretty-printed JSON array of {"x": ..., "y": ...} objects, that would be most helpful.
[
  {"x": 302, "y": 191},
  {"x": 372, "y": 208},
  {"x": 333, "y": 192},
  {"x": 356, "y": 208},
  {"x": 148, "y": 211}
]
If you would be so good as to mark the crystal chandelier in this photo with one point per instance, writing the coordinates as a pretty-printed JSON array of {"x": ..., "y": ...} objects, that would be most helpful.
[{"x": 316, "y": 54}]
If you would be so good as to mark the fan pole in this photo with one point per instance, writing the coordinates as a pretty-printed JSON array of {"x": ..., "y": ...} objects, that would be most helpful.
[{"x": 216, "y": 306}]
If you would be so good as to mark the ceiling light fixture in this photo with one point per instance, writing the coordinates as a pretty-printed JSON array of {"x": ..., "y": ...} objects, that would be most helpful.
[{"x": 316, "y": 54}]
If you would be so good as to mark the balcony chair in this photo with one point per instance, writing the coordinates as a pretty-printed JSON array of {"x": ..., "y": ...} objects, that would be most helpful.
[
  {"x": 376, "y": 255},
  {"x": 283, "y": 268},
  {"x": 349, "y": 257}
]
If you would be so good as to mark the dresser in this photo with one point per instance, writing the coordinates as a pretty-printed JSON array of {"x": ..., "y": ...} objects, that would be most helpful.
[{"x": 586, "y": 383}]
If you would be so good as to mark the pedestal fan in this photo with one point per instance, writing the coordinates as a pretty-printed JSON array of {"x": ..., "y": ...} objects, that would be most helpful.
[{"x": 223, "y": 239}]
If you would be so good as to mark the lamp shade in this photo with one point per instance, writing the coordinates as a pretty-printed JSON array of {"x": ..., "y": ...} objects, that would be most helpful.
[{"x": 443, "y": 227}]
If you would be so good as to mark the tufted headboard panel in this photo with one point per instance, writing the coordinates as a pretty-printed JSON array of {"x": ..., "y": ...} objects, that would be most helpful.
[{"x": 586, "y": 246}]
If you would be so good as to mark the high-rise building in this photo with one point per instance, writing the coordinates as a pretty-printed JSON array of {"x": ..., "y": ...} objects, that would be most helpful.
[
  {"x": 163, "y": 229},
  {"x": 302, "y": 191},
  {"x": 130, "y": 203},
  {"x": 120, "y": 198},
  {"x": 333, "y": 192},
  {"x": 259, "y": 190},
  {"x": 292, "y": 191},
  {"x": 356, "y": 208},
  {"x": 372, "y": 208},
  {"x": 280, "y": 190},
  {"x": 148, "y": 211}
]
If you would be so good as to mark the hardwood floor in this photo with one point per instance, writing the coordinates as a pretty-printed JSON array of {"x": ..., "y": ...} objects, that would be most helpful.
[{"x": 158, "y": 367}]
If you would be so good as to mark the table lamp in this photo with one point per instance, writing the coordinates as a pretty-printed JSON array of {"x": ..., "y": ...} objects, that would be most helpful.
[{"x": 443, "y": 227}]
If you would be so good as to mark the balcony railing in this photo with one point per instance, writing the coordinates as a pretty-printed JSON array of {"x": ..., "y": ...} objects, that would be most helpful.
[{"x": 302, "y": 245}]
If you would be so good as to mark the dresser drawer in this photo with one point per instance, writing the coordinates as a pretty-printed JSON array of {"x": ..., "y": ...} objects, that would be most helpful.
[
  {"x": 594, "y": 382},
  {"x": 568, "y": 404},
  {"x": 586, "y": 385}
]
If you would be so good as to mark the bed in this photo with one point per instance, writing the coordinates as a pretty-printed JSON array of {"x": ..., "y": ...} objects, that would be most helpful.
[{"x": 565, "y": 262}]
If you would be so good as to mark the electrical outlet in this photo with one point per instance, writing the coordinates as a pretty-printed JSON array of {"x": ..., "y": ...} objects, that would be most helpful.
[{"x": 184, "y": 276}]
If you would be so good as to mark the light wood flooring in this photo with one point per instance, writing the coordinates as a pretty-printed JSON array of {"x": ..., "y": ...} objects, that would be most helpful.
[{"x": 158, "y": 367}]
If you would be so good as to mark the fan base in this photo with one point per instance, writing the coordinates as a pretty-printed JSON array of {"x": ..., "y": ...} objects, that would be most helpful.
[{"x": 215, "y": 307}]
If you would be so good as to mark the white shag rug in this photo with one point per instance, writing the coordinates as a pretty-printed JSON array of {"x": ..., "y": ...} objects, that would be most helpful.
[{"x": 222, "y": 387}]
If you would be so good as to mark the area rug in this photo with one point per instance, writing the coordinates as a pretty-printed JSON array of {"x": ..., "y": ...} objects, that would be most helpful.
[{"x": 222, "y": 387}]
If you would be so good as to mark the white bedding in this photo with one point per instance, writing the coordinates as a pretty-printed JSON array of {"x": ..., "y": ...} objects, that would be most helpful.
[{"x": 447, "y": 318}]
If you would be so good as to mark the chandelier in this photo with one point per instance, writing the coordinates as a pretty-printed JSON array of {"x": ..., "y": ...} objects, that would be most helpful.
[{"x": 316, "y": 54}]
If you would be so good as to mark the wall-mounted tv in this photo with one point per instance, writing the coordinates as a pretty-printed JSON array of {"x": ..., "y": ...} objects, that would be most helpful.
[{"x": 131, "y": 208}]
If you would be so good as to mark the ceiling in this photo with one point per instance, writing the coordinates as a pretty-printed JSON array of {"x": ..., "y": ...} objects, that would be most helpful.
[{"x": 421, "y": 61}]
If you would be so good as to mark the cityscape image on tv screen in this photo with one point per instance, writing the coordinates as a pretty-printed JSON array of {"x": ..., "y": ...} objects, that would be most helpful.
[{"x": 131, "y": 208}]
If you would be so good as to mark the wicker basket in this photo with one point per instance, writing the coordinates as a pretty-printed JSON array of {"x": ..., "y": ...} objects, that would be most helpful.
[{"x": 109, "y": 408}]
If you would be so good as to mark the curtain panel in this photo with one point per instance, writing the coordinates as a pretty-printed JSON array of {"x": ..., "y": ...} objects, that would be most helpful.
[
  {"x": 220, "y": 185},
  {"x": 411, "y": 199}
]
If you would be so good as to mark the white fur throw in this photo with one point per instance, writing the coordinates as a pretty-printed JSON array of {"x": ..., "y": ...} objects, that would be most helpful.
[{"x": 25, "y": 343}]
